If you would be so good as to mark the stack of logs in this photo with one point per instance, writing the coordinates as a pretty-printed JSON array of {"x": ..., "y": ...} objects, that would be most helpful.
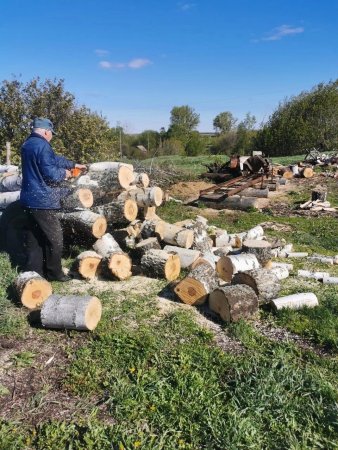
[{"x": 300, "y": 170}]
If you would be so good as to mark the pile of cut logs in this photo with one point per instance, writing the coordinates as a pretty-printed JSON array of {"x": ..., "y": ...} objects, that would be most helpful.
[
  {"x": 300, "y": 170},
  {"x": 318, "y": 201}
]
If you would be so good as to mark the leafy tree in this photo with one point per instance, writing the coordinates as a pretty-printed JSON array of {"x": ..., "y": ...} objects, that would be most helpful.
[
  {"x": 224, "y": 122},
  {"x": 195, "y": 145},
  {"x": 183, "y": 121},
  {"x": 305, "y": 121},
  {"x": 245, "y": 135}
]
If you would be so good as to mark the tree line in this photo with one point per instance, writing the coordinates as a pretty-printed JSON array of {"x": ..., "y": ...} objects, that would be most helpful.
[{"x": 298, "y": 123}]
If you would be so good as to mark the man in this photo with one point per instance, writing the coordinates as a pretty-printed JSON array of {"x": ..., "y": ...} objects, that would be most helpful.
[{"x": 42, "y": 173}]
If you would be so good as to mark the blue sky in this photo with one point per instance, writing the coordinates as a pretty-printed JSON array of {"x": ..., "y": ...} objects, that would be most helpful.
[{"x": 133, "y": 61}]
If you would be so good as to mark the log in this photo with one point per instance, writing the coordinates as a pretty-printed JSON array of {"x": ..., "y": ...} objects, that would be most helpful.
[
  {"x": 177, "y": 236},
  {"x": 115, "y": 262},
  {"x": 206, "y": 258},
  {"x": 280, "y": 272},
  {"x": 10, "y": 181},
  {"x": 187, "y": 256},
  {"x": 84, "y": 224},
  {"x": 86, "y": 264},
  {"x": 319, "y": 193},
  {"x": 280, "y": 264},
  {"x": 32, "y": 289},
  {"x": 242, "y": 203},
  {"x": 286, "y": 173},
  {"x": 78, "y": 198},
  {"x": 108, "y": 165},
  {"x": 322, "y": 259},
  {"x": 118, "y": 211},
  {"x": 314, "y": 275},
  {"x": 222, "y": 251},
  {"x": 330, "y": 280},
  {"x": 6, "y": 198},
  {"x": 113, "y": 178},
  {"x": 306, "y": 172},
  {"x": 261, "y": 249},
  {"x": 238, "y": 263},
  {"x": 145, "y": 245},
  {"x": 262, "y": 281},
  {"x": 296, "y": 254},
  {"x": 252, "y": 192},
  {"x": 295, "y": 169},
  {"x": 195, "y": 288},
  {"x": 161, "y": 264},
  {"x": 256, "y": 232},
  {"x": 141, "y": 179},
  {"x": 71, "y": 312},
  {"x": 233, "y": 303},
  {"x": 8, "y": 168},
  {"x": 295, "y": 301},
  {"x": 147, "y": 213},
  {"x": 153, "y": 228},
  {"x": 144, "y": 196}
]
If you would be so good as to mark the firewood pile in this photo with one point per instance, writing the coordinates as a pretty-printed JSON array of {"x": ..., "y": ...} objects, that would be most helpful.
[
  {"x": 315, "y": 157},
  {"x": 318, "y": 201}
]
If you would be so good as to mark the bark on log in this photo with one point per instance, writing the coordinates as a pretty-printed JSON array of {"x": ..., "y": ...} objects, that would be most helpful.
[
  {"x": 279, "y": 264},
  {"x": 280, "y": 272},
  {"x": 262, "y": 281},
  {"x": 115, "y": 262},
  {"x": 10, "y": 182},
  {"x": 86, "y": 264},
  {"x": 295, "y": 301},
  {"x": 261, "y": 249},
  {"x": 322, "y": 259},
  {"x": 161, "y": 264},
  {"x": 31, "y": 289},
  {"x": 118, "y": 211},
  {"x": 78, "y": 198},
  {"x": 144, "y": 246},
  {"x": 144, "y": 196},
  {"x": 8, "y": 168},
  {"x": 294, "y": 169},
  {"x": 330, "y": 280},
  {"x": 187, "y": 256},
  {"x": 6, "y": 198},
  {"x": 238, "y": 263},
  {"x": 256, "y": 232},
  {"x": 147, "y": 213},
  {"x": 71, "y": 312},
  {"x": 177, "y": 236},
  {"x": 114, "y": 178},
  {"x": 242, "y": 203},
  {"x": 222, "y": 251},
  {"x": 108, "y": 165},
  {"x": 296, "y": 254},
  {"x": 313, "y": 275},
  {"x": 319, "y": 193},
  {"x": 85, "y": 224},
  {"x": 252, "y": 192},
  {"x": 233, "y": 303},
  {"x": 141, "y": 179},
  {"x": 195, "y": 288},
  {"x": 286, "y": 173},
  {"x": 153, "y": 228}
]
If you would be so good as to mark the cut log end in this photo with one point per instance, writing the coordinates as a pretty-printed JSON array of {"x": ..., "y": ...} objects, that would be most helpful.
[
  {"x": 191, "y": 291},
  {"x": 125, "y": 176},
  {"x": 86, "y": 197},
  {"x": 172, "y": 267},
  {"x": 88, "y": 263},
  {"x": 93, "y": 313},
  {"x": 120, "y": 265},
  {"x": 99, "y": 227},
  {"x": 35, "y": 292},
  {"x": 130, "y": 210}
]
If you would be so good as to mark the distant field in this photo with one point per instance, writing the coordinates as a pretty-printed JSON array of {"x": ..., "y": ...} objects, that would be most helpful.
[{"x": 194, "y": 165}]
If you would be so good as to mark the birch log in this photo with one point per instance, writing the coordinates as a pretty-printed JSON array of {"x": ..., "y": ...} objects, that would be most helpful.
[
  {"x": 144, "y": 196},
  {"x": 330, "y": 280},
  {"x": 153, "y": 228},
  {"x": 114, "y": 177},
  {"x": 177, "y": 236},
  {"x": 71, "y": 312},
  {"x": 84, "y": 224},
  {"x": 238, "y": 263},
  {"x": 6, "y": 198},
  {"x": 10, "y": 182},
  {"x": 32, "y": 289},
  {"x": 161, "y": 264},
  {"x": 187, "y": 256},
  {"x": 261, "y": 249},
  {"x": 280, "y": 272},
  {"x": 313, "y": 275},
  {"x": 195, "y": 288},
  {"x": 322, "y": 259},
  {"x": 78, "y": 198},
  {"x": 295, "y": 301},
  {"x": 262, "y": 281},
  {"x": 118, "y": 211},
  {"x": 145, "y": 245},
  {"x": 255, "y": 232},
  {"x": 306, "y": 172},
  {"x": 86, "y": 264},
  {"x": 233, "y": 303},
  {"x": 115, "y": 262},
  {"x": 141, "y": 179}
]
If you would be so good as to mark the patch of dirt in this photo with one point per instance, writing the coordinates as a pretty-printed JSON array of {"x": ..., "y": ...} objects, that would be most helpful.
[{"x": 188, "y": 189}]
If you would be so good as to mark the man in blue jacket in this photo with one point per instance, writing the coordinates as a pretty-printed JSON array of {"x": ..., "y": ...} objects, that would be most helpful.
[{"x": 42, "y": 173}]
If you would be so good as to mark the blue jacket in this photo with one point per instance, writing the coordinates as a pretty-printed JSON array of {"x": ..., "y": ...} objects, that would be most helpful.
[{"x": 42, "y": 173}]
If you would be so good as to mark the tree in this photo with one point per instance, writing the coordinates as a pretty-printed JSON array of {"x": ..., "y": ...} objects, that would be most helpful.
[
  {"x": 224, "y": 122},
  {"x": 305, "y": 121},
  {"x": 183, "y": 121},
  {"x": 245, "y": 135}
]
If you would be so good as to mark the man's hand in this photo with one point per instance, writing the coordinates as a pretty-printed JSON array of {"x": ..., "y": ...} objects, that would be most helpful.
[
  {"x": 81, "y": 166},
  {"x": 68, "y": 174}
]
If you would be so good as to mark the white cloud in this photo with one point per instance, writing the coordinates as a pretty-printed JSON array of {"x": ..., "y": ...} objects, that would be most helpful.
[
  {"x": 105, "y": 65},
  {"x": 284, "y": 30},
  {"x": 101, "y": 53},
  {"x": 185, "y": 6},
  {"x": 138, "y": 63}
]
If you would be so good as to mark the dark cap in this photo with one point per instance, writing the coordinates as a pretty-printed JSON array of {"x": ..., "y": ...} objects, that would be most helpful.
[{"x": 42, "y": 122}]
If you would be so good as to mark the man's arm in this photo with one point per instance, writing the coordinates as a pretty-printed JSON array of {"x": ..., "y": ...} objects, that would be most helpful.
[{"x": 49, "y": 166}]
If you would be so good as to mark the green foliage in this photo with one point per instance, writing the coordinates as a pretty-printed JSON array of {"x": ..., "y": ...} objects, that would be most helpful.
[
  {"x": 82, "y": 134},
  {"x": 224, "y": 122},
  {"x": 305, "y": 121},
  {"x": 195, "y": 145},
  {"x": 183, "y": 121}
]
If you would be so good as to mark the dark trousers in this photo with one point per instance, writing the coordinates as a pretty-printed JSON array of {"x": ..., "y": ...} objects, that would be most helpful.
[{"x": 44, "y": 243}]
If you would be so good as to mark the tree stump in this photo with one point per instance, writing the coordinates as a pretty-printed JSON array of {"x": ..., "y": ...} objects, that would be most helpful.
[
  {"x": 31, "y": 289},
  {"x": 195, "y": 288},
  {"x": 160, "y": 264},
  {"x": 295, "y": 301},
  {"x": 238, "y": 263},
  {"x": 319, "y": 193},
  {"x": 261, "y": 249},
  {"x": 262, "y": 281},
  {"x": 86, "y": 264},
  {"x": 71, "y": 312},
  {"x": 233, "y": 303}
]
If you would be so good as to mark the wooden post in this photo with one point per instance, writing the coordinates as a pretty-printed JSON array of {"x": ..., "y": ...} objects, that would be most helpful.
[{"x": 8, "y": 153}]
